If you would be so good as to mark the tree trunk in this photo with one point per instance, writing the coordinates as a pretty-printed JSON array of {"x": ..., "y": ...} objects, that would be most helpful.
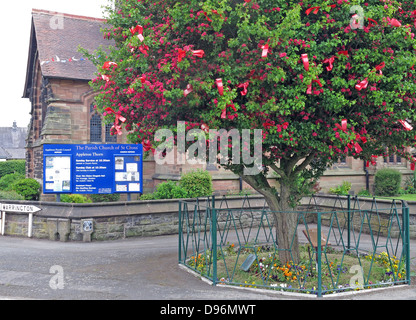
[{"x": 286, "y": 222}]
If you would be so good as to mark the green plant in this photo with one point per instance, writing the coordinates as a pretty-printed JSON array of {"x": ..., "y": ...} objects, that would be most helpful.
[
  {"x": 97, "y": 198},
  {"x": 13, "y": 166},
  {"x": 75, "y": 198},
  {"x": 387, "y": 182},
  {"x": 147, "y": 196},
  {"x": 197, "y": 183},
  {"x": 364, "y": 193},
  {"x": 7, "y": 181},
  {"x": 342, "y": 189},
  {"x": 10, "y": 195},
  {"x": 170, "y": 190},
  {"x": 28, "y": 188}
]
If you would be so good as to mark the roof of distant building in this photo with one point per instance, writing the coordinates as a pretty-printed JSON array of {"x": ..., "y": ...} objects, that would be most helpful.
[{"x": 12, "y": 142}]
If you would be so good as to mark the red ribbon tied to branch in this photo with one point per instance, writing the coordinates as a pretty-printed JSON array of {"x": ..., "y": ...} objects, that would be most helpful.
[
  {"x": 362, "y": 85},
  {"x": 181, "y": 54},
  {"x": 224, "y": 112},
  {"x": 305, "y": 61},
  {"x": 343, "y": 125},
  {"x": 188, "y": 90},
  {"x": 312, "y": 9},
  {"x": 330, "y": 61},
  {"x": 138, "y": 29},
  {"x": 198, "y": 53},
  {"x": 395, "y": 23},
  {"x": 220, "y": 86},
  {"x": 143, "y": 49},
  {"x": 265, "y": 50},
  {"x": 148, "y": 146},
  {"x": 109, "y": 64},
  {"x": 406, "y": 125},
  {"x": 309, "y": 90},
  {"x": 244, "y": 86},
  {"x": 119, "y": 118},
  {"x": 105, "y": 77}
]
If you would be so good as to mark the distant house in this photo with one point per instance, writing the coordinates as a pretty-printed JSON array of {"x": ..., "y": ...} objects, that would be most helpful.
[{"x": 12, "y": 143}]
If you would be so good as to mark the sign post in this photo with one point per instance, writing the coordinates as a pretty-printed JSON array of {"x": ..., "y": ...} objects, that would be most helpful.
[{"x": 18, "y": 208}]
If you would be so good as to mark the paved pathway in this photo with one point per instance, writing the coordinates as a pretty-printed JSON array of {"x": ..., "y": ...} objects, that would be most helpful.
[{"x": 137, "y": 269}]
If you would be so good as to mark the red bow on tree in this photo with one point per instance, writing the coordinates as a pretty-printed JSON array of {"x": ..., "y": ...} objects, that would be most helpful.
[
  {"x": 108, "y": 64},
  {"x": 305, "y": 61},
  {"x": 198, "y": 53},
  {"x": 119, "y": 118},
  {"x": 188, "y": 90},
  {"x": 244, "y": 86},
  {"x": 148, "y": 146},
  {"x": 138, "y": 29},
  {"x": 220, "y": 86},
  {"x": 330, "y": 61},
  {"x": 362, "y": 85},
  {"x": 312, "y": 9}
]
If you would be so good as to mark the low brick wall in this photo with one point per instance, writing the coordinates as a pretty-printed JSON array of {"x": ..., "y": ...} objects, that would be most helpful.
[{"x": 121, "y": 220}]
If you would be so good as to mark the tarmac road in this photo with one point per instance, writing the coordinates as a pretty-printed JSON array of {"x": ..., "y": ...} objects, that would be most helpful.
[{"x": 136, "y": 269}]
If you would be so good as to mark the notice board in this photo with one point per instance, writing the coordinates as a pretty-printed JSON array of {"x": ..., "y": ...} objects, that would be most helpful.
[{"x": 92, "y": 168}]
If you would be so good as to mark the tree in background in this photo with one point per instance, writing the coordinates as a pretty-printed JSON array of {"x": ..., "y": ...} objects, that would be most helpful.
[{"x": 322, "y": 79}]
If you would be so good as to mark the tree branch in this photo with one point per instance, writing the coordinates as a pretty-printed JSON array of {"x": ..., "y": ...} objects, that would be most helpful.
[{"x": 305, "y": 163}]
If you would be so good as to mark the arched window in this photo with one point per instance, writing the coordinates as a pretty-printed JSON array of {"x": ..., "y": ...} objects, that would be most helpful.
[
  {"x": 95, "y": 128},
  {"x": 98, "y": 130}
]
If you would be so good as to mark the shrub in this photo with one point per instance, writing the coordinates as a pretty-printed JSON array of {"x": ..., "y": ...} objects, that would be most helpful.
[
  {"x": 105, "y": 197},
  {"x": 170, "y": 190},
  {"x": 387, "y": 182},
  {"x": 10, "y": 195},
  {"x": 7, "y": 181},
  {"x": 13, "y": 166},
  {"x": 147, "y": 196},
  {"x": 197, "y": 183},
  {"x": 342, "y": 189},
  {"x": 28, "y": 188},
  {"x": 75, "y": 198}
]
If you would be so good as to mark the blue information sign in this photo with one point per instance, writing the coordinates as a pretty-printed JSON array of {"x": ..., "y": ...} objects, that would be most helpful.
[{"x": 93, "y": 168}]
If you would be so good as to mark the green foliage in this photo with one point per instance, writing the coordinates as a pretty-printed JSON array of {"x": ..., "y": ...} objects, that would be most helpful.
[
  {"x": 10, "y": 195},
  {"x": 75, "y": 198},
  {"x": 7, "y": 181},
  {"x": 147, "y": 196},
  {"x": 342, "y": 189},
  {"x": 387, "y": 182},
  {"x": 28, "y": 188},
  {"x": 96, "y": 198},
  {"x": 170, "y": 190},
  {"x": 364, "y": 193},
  {"x": 196, "y": 183},
  {"x": 13, "y": 166}
]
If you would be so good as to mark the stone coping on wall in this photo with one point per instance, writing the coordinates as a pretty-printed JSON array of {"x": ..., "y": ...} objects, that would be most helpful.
[{"x": 102, "y": 210}]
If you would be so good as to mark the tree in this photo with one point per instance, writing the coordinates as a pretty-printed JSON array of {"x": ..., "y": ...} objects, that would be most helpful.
[{"x": 323, "y": 80}]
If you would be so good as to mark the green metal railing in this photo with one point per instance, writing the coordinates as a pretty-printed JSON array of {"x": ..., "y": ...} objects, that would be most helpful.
[{"x": 344, "y": 247}]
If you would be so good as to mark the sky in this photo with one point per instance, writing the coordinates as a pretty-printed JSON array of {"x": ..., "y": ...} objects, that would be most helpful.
[{"x": 15, "y": 23}]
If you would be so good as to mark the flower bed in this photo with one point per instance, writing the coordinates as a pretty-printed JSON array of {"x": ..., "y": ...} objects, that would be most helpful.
[{"x": 340, "y": 271}]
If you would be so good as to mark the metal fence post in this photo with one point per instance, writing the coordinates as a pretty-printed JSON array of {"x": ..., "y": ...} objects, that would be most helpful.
[
  {"x": 214, "y": 245},
  {"x": 180, "y": 232},
  {"x": 349, "y": 224},
  {"x": 406, "y": 218},
  {"x": 319, "y": 253}
]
